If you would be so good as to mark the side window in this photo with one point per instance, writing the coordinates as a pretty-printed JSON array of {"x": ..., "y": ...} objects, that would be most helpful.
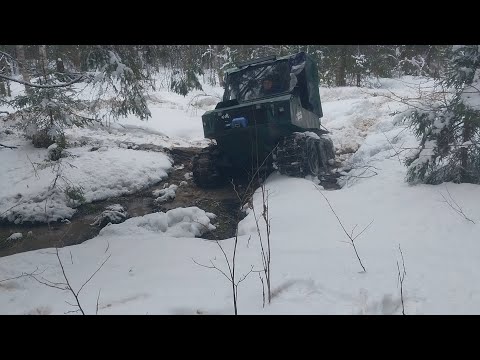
[{"x": 303, "y": 90}]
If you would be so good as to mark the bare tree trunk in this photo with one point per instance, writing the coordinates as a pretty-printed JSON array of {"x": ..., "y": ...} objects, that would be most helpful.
[
  {"x": 218, "y": 65},
  {"x": 42, "y": 52},
  {"x": 467, "y": 133},
  {"x": 60, "y": 65},
  {"x": 3, "y": 90},
  {"x": 77, "y": 59},
  {"x": 341, "y": 67},
  {"x": 22, "y": 66}
]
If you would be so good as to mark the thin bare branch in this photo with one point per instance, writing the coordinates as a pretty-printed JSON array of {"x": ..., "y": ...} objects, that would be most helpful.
[
  {"x": 213, "y": 267},
  {"x": 23, "y": 274},
  {"x": 47, "y": 283},
  {"x": 8, "y": 147},
  {"x": 98, "y": 298},
  {"x": 90, "y": 278},
  {"x": 393, "y": 148},
  {"x": 68, "y": 283},
  {"x": 401, "y": 278},
  {"x": 245, "y": 276},
  {"x": 361, "y": 232},
  {"x": 351, "y": 234},
  {"x": 69, "y": 303},
  {"x": 71, "y": 312},
  {"x": 263, "y": 289},
  {"x": 455, "y": 208},
  {"x": 33, "y": 166},
  {"x": 352, "y": 240}
]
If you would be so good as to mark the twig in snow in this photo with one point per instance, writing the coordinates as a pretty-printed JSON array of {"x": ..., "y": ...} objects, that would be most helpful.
[
  {"x": 263, "y": 289},
  {"x": 391, "y": 145},
  {"x": 66, "y": 286},
  {"x": 265, "y": 248},
  {"x": 401, "y": 278},
  {"x": 98, "y": 298},
  {"x": 457, "y": 207},
  {"x": 23, "y": 274},
  {"x": 231, "y": 265},
  {"x": 33, "y": 166},
  {"x": 352, "y": 239}
]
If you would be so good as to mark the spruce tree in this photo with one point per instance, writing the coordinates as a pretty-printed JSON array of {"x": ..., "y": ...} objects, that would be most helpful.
[{"x": 449, "y": 131}]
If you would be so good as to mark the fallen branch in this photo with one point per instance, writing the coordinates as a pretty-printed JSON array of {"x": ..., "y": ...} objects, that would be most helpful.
[
  {"x": 8, "y": 147},
  {"x": 42, "y": 86}
]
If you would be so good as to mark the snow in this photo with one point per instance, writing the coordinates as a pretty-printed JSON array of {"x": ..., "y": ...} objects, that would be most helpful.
[
  {"x": 175, "y": 121},
  {"x": 15, "y": 236},
  {"x": 164, "y": 195},
  {"x": 311, "y": 134},
  {"x": 113, "y": 214},
  {"x": 98, "y": 174},
  {"x": 178, "y": 223},
  {"x": 155, "y": 260}
]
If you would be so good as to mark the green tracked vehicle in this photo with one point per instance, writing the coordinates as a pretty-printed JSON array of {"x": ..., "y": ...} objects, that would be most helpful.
[{"x": 269, "y": 117}]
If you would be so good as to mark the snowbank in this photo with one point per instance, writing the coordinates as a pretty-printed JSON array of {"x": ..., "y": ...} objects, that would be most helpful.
[
  {"x": 179, "y": 222},
  {"x": 85, "y": 175}
]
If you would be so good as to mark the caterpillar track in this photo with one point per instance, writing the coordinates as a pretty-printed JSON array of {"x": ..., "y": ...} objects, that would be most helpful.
[
  {"x": 206, "y": 170},
  {"x": 302, "y": 154}
]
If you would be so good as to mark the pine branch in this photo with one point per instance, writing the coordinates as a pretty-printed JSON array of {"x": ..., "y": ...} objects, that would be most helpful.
[{"x": 42, "y": 86}]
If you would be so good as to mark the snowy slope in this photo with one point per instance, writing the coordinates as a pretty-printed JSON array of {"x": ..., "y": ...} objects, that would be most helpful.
[{"x": 151, "y": 270}]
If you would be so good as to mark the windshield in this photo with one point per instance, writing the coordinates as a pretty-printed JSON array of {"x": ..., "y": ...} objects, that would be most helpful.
[{"x": 259, "y": 81}]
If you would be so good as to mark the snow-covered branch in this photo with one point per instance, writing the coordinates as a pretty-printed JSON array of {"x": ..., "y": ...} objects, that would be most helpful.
[{"x": 42, "y": 86}]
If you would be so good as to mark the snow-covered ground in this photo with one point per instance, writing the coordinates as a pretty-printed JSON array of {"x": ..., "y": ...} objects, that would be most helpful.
[
  {"x": 106, "y": 172},
  {"x": 116, "y": 167},
  {"x": 153, "y": 260}
]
